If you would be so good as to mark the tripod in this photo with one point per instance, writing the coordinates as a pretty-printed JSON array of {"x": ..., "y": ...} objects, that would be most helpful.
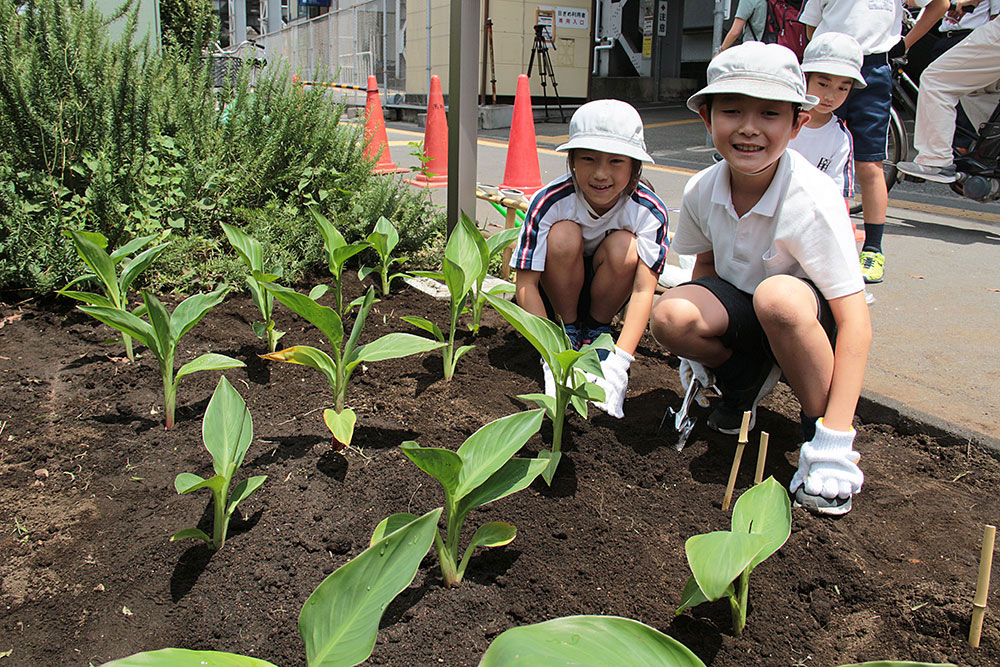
[{"x": 545, "y": 70}]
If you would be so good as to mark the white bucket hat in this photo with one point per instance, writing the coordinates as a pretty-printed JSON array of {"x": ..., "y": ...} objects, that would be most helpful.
[
  {"x": 755, "y": 69},
  {"x": 609, "y": 126},
  {"x": 837, "y": 54}
]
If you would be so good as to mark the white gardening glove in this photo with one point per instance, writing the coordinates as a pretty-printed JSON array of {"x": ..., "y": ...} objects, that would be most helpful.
[
  {"x": 548, "y": 380},
  {"x": 692, "y": 369},
  {"x": 828, "y": 466},
  {"x": 615, "y": 380}
]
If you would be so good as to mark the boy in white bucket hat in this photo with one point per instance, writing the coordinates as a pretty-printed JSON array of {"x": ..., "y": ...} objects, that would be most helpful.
[
  {"x": 777, "y": 286},
  {"x": 594, "y": 239},
  {"x": 832, "y": 65}
]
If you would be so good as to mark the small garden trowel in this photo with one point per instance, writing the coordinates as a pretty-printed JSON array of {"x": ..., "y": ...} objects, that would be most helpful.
[{"x": 683, "y": 422}]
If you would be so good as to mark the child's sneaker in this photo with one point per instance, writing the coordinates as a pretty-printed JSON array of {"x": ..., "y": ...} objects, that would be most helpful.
[
  {"x": 593, "y": 333},
  {"x": 872, "y": 266},
  {"x": 573, "y": 333},
  {"x": 728, "y": 415}
]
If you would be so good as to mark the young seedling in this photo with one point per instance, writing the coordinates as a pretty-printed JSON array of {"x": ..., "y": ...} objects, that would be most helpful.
[
  {"x": 338, "y": 251},
  {"x": 340, "y": 620},
  {"x": 91, "y": 248},
  {"x": 227, "y": 431},
  {"x": 571, "y": 387},
  {"x": 347, "y": 354},
  {"x": 252, "y": 254},
  {"x": 481, "y": 471},
  {"x": 162, "y": 333},
  {"x": 721, "y": 561},
  {"x": 383, "y": 240},
  {"x": 462, "y": 263},
  {"x": 487, "y": 249}
]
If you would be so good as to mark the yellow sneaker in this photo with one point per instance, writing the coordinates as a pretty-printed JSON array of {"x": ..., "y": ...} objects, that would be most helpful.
[{"x": 872, "y": 266}]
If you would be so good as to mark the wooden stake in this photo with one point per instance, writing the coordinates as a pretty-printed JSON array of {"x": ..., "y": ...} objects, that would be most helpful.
[
  {"x": 736, "y": 462},
  {"x": 761, "y": 457},
  {"x": 982, "y": 585}
]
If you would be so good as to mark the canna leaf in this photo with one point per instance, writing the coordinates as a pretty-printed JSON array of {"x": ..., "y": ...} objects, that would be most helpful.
[
  {"x": 443, "y": 465},
  {"x": 553, "y": 459},
  {"x": 339, "y": 622},
  {"x": 97, "y": 238},
  {"x": 515, "y": 475},
  {"x": 717, "y": 558},
  {"x": 125, "y": 322},
  {"x": 388, "y": 237},
  {"x": 691, "y": 596},
  {"x": 227, "y": 427},
  {"x": 98, "y": 261},
  {"x": 323, "y": 318},
  {"x": 359, "y": 323},
  {"x": 455, "y": 281},
  {"x": 88, "y": 297},
  {"x": 182, "y": 657},
  {"x": 137, "y": 265},
  {"x": 493, "y": 534},
  {"x": 462, "y": 350},
  {"x": 764, "y": 510},
  {"x": 244, "y": 490},
  {"x": 394, "y": 346},
  {"x": 497, "y": 242},
  {"x": 425, "y": 324},
  {"x": 208, "y": 362},
  {"x": 191, "y": 533},
  {"x": 463, "y": 250},
  {"x": 543, "y": 401},
  {"x": 391, "y": 524},
  {"x": 129, "y": 248},
  {"x": 318, "y": 291},
  {"x": 341, "y": 424},
  {"x": 588, "y": 641},
  {"x": 159, "y": 319},
  {"x": 544, "y": 335},
  {"x": 489, "y": 448},
  {"x": 190, "y": 311},
  {"x": 248, "y": 248},
  {"x": 307, "y": 356},
  {"x": 187, "y": 482}
]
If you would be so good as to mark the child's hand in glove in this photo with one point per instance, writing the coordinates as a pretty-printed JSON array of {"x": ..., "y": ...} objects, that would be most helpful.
[
  {"x": 828, "y": 466},
  {"x": 615, "y": 369}
]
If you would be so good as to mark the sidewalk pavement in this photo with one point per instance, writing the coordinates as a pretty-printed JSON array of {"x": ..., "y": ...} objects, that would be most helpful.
[{"x": 935, "y": 356}]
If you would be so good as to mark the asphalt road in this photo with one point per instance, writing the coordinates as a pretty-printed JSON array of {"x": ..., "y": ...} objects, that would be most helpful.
[{"x": 936, "y": 351}]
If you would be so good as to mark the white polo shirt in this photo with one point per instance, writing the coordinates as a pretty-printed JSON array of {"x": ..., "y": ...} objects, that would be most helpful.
[
  {"x": 641, "y": 213},
  {"x": 876, "y": 24},
  {"x": 800, "y": 227},
  {"x": 830, "y": 149}
]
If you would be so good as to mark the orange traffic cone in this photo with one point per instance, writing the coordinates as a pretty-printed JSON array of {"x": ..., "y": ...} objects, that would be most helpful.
[
  {"x": 521, "y": 171},
  {"x": 376, "y": 142},
  {"x": 435, "y": 141}
]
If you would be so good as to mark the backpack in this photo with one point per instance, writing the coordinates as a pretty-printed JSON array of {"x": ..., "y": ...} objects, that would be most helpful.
[{"x": 782, "y": 26}]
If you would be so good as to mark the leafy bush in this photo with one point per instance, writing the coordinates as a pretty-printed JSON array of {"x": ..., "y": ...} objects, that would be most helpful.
[{"x": 130, "y": 142}]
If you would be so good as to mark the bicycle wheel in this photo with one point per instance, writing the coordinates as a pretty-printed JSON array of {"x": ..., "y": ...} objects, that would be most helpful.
[{"x": 895, "y": 153}]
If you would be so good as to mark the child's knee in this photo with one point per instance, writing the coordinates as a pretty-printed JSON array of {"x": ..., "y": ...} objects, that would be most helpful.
[
  {"x": 673, "y": 320},
  {"x": 565, "y": 238},
  {"x": 783, "y": 302}
]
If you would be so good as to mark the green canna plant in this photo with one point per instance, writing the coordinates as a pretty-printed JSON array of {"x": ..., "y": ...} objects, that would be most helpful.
[
  {"x": 162, "y": 333},
  {"x": 252, "y": 253},
  {"x": 383, "y": 240},
  {"x": 482, "y": 470},
  {"x": 339, "y": 621},
  {"x": 488, "y": 249},
  {"x": 91, "y": 246},
  {"x": 227, "y": 431},
  {"x": 461, "y": 264},
  {"x": 721, "y": 561},
  {"x": 572, "y": 388},
  {"x": 338, "y": 251},
  {"x": 347, "y": 353}
]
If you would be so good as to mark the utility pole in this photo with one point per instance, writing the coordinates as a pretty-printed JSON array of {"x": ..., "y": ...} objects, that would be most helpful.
[{"x": 463, "y": 122}]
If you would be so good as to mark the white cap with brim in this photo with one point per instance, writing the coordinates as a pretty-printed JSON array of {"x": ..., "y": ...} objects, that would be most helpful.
[
  {"x": 609, "y": 126},
  {"x": 836, "y": 54},
  {"x": 755, "y": 69}
]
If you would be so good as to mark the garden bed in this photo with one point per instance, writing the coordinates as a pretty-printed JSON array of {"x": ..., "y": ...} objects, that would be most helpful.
[{"x": 87, "y": 505}]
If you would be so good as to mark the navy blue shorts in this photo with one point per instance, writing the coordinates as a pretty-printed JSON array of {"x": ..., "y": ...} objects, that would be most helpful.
[{"x": 866, "y": 110}]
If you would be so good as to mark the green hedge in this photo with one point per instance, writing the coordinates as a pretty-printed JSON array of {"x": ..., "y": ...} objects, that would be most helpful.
[{"x": 112, "y": 137}]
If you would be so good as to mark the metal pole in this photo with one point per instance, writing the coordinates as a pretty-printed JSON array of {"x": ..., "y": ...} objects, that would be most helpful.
[
  {"x": 719, "y": 15},
  {"x": 385, "y": 54},
  {"x": 462, "y": 110},
  {"x": 428, "y": 82}
]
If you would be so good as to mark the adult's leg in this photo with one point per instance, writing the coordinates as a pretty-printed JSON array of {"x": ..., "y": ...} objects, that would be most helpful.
[
  {"x": 562, "y": 278},
  {"x": 689, "y": 321},
  {"x": 787, "y": 309},
  {"x": 971, "y": 65},
  {"x": 615, "y": 263}
]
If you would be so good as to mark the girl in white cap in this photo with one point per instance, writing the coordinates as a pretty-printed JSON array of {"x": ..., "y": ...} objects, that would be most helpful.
[{"x": 594, "y": 239}]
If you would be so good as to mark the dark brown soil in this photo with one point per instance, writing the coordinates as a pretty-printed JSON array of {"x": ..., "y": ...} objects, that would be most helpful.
[{"x": 87, "y": 505}]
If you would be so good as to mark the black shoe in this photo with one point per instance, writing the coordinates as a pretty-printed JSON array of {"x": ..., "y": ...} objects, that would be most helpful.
[{"x": 727, "y": 417}]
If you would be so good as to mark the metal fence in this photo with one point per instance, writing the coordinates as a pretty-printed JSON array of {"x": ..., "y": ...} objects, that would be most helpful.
[{"x": 345, "y": 45}]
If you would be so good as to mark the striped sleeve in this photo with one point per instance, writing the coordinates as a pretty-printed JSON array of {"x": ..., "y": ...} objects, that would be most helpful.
[
  {"x": 529, "y": 254},
  {"x": 651, "y": 230},
  {"x": 848, "y": 171}
]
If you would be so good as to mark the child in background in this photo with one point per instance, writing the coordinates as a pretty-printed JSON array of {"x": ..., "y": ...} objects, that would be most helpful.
[
  {"x": 777, "y": 286},
  {"x": 832, "y": 65},
  {"x": 594, "y": 239}
]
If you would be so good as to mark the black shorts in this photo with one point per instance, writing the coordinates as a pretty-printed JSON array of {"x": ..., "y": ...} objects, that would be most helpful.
[
  {"x": 744, "y": 335},
  {"x": 583, "y": 304}
]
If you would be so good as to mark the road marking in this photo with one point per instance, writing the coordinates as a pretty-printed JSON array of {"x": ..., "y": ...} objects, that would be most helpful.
[
  {"x": 981, "y": 216},
  {"x": 673, "y": 122},
  {"x": 563, "y": 138}
]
